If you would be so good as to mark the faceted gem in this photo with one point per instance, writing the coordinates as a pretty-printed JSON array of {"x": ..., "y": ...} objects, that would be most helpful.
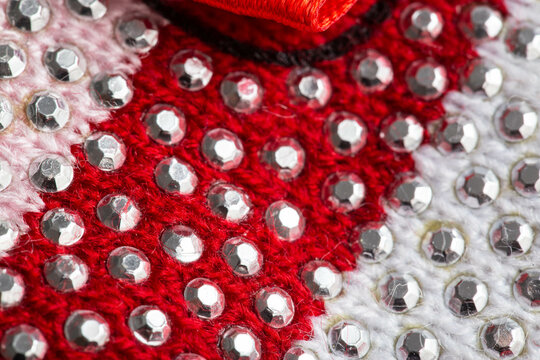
[
  {"x": 515, "y": 120},
  {"x": 417, "y": 344},
  {"x": 373, "y": 241},
  {"x": 239, "y": 343},
  {"x": 310, "y": 87},
  {"x": 12, "y": 60},
  {"x": 350, "y": 339},
  {"x": 165, "y": 124},
  {"x": 402, "y": 133},
  {"x": 48, "y": 111},
  {"x": 421, "y": 22},
  {"x": 482, "y": 77},
  {"x": 137, "y": 33},
  {"x": 204, "y": 298},
  {"x": 343, "y": 192},
  {"x": 111, "y": 91},
  {"x": 502, "y": 338},
  {"x": 477, "y": 187},
  {"x": 175, "y": 177},
  {"x": 526, "y": 177},
  {"x": 244, "y": 258},
  {"x": 444, "y": 246},
  {"x": 65, "y": 63},
  {"x": 527, "y": 289},
  {"x": 62, "y": 226},
  {"x": 28, "y": 15},
  {"x": 228, "y": 202},
  {"x": 456, "y": 135},
  {"x": 299, "y": 353},
  {"x": 128, "y": 264},
  {"x": 426, "y": 79},
  {"x": 6, "y": 109},
  {"x": 372, "y": 71},
  {"x": 410, "y": 195},
  {"x": 399, "y": 292},
  {"x": 466, "y": 296},
  {"x": 66, "y": 273},
  {"x": 322, "y": 279},
  {"x": 5, "y": 175},
  {"x": 285, "y": 156},
  {"x": 118, "y": 212},
  {"x": 23, "y": 342},
  {"x": 9, "y": 234},
  {"x": 86, "y": 331},
  {"x": 192, "y": 69},
  {"x": 274, "y": 307},
  {"x": 106, "y": 151},
  {"x": 149, "y": 325},
  {"x": 242, "y": 92},
  {"x": 524, "y": 42},
  {"x": 51, "y": 174},
  {"x": 182, "y": 244},
  {"x": 347, "y": 132},
  {"x": 285, "y": 220},
  {"x": 222, "y": 149},
  {"x": 481, "y": 22},
  {"x": 511, "y": 236},
  {"x": 11, "y": 288},
  {"x": 88, "y": 9}
]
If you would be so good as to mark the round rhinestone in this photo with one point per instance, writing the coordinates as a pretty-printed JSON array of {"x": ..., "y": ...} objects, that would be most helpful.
[
  {"x": 165, "y": 124},
  {"x": 222, "y": 149},
  {"x": 28, "y": 15},
  {"x": 118, "y": 212},
  {"x": 65, "y": 63},
  {"x": 417, "y": 344},
  {"x": 111, "y": 91},
  {"x": 511, "y": 236},
  {"x": 456, "y": 135},
  {"x": 228, "y": 202},
  {"x": 51, "y": 174},
  {"x": 527, "y": 289},
  {"x": 242, "y": 92},
  {"x": 402, "y": 133},
  {"x": 481, "y": 22},
  {"x": 9, "y": 234},
  {"x": 502, "y": 338},
  {"x": 106, "y": 151},
  {"x": 373, "y": 241},
  {"x": 189, "y": 356},
  {"x": 86, "y": 331},
  {"x": 274, "y": 307},
  {"x": 482, "y": 77},
  {"x": 149, "y": 325},
  {"x": 137, "y": 33},
  {"x": 285, "y": 156},
  {"x": 23, "y": 342},
  {"x": 466, "y": 296},
  {"x": 244, "y": 258},
  {"x": 192, "y": 69},
  {"x": 421, "y": 22},
  {"x": 6, "y": 109},
  {"x": 128, "y": 264},
  {"x": 66, "y": 273},
  {"x": 309, "y": 86},
  {"x": 285, "y": 220},
  {"x": 322, "y": 279},
  {"x": 12, "y": 60},
  {"x": 175, "y": 177},
  {"x": 11, "y": 288},
  {"x": 515, "y": 120},
  {"x": 182, "y": 244},
  {"x": 399, "y": 292},
  {"x": 410, "y": 195},
  {"x": 426, "y": 79},
  {"x": 349, "y": 338},
  {"x": 372, "y": 71},
  {"x": 47, "y": 111},
  {"x": 239, "y": 343},
  {"x": 5, "y": 175},
  {"x": 444, "y": 246},
  {"x": 526, "y": 177},
  {"x": 524, "y": 42},
  {"x": 477, "y": 187},
  {"x": 347, "y": 132},
  {"x": 204, "y": 298},
  {"x": 299, "y": 353},
  {"x": 343, "y": 192},
  {"x": 88, "y": 9},
  {"x": 62, "y": 226}
]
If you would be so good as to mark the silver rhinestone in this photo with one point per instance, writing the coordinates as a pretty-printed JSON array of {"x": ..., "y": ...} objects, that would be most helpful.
[
  {"x": 47, "y": 111},
  {"x": 347, "y": 132},
  {"x": 118, "y": 212},
  {"x": 6, "y": 109},
  {"x": 526, "y": 177},
  {"x": 51, "y": 173},
  {"x": 192, "y": 69},
  {"x": 417, "y": 344},
  {"x": 466, "y": 296},
  {"x": 65, "y": 63},
  {"x": 349, "y": 338},
  {"x": 285, "y": 220},
  {"x": 175, "y": 177},
  {"x": 23, "y": 342},
  {"x": 456, "y": 135},
  {"x": 511, "y": 236},
  {"x": 244, "y": 258},
  {"x": 299, "y": 353},
  {"x": 402, "y": 133},
  {"x": 88, "y": 9},
  {"x": 482, "y": 77},
  {"x": 274, "y": 307},
  {"x": 426, "y": 79},
  {"x": 372, "y": 71},
  {"x": 242, "y": 92},
  {"x": 86, "y": 331},
  {"x": 9, "y": 235},
  {"x": 62, "y": 226},
  {"x": 12, "y": 60},
  {"x": 310, "y": 87},
  {"x": 527, "y": 289},
  {"x": 444, "y": 246},
  {"x": 165, "y": 124},
  {"x": 204, "y": 298},
  {"x": 137, "y": 33},
  {"x": 410, "y": 195},
  {"x": 322, "y": 279},
  {"x": 374, "y": 241},
  {"x": 128, "y": 264},
  {"x": 66, "y": 273},
  {"x": 222, "y": 149},
  {"x": 149, "y": 325},
  {"x": 524, "y": 42},
  {"x": 239, "y": 343},
  {"x": 28, "y": 15},
  {"x": 228, "y": 202},
  {"x": 502, "y": 338},
  {"x": 481, "y": 22},
  {"x": 182, "y": 244},
  {"x": 421, "y": 22},
  {"x": 477, "y": 187},
  {"x": 285, "y": 156},
  {"x": 399, "y": 292},
  {"x": 515, "y": 120},
  {"x": 111, "y": 91},
  {"x": 11, "y": 288},
  {"x": 189, "y": 356},
  {"x": 5, "y": 175},
  {"x": 343, "y": 192},
  {"x": 106, "y": 151}
]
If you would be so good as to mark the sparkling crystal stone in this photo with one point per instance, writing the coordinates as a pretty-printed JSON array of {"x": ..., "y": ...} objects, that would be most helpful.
[
  {"x": 88, "y": 9},
  {"x": 527, "y": 289},
  {"x": 28, "y": 15},
  {"x": 349, "y": 338},
  {"x": 65, "y": 63},
  {"x": 6, "y": 109},
  {"x": 111, "y": 91},
  {"x": 310, "y": 87},
  {"x": 399, "y": 292},
  {"x": 244, "y": 258},
  {"x": 347, "y": 132},
  {"x": 149, "y": 325},
  {"x": 137, "y": 33},
  {"x": 23, "y": 342},
  {"x": 466, "y": 296},
  {"x": 182, "y": 244},
  {"x": 189, "y": 356},
  {"x": 62, "y": 226},
  {"x": 9, "y": 234},
  {"x": 5, "y": 175},
  {"x": 444, "y": 246},
  {"x": 456, "y": 134},
  {"x": 118, "y": 212},
  {"x": 322, "y": 279},
  {"x": 285, "y": 156},
  {"x": 477, "y": 187},
  {"x": 511, "y": 236},
  {"x": 51, "y": 173},
  {"x": 106, "y": 151},
  {"x": 373, "y": 241},
  {"x": 481, "y": 22},
  {"x": 175, "y": 177},
  {"x": 426, "y": 79},
  {"x": 402, "y": 133},
  {"x": 515, "y": 120},
  {"x": 204, "y": 298},
  {"x": 48, "y": 111},
  {"x": 421, "y": 22},
  {"x": 417, "y": 344},
  {"x": 524, "y": 42},
  {"x": 526, "y": 177},
  {"x": 502, "y": 338},
  {"x": 222, "y": 149},
  {"x": 165, "y": 124},
  {"x": 274, "y": 307},
  {"x": 482, "y": 77},
  {"x": 11, "y": 288},
  {"x": 285, "y": 220},
  {"x": 372, "y": 71},
  {"x": 343, "y": 192},
  {"x": 86, "y": 331},
  {"x": 239, "y": 343},
  {"x": 229, "y": 202},
  {"x": 410, "y": 195},
  {"x": 128, "y": 264},
  {"x": 299, "y": 353},
  {"x": 66, "y": 273},
  {"x": 242, "y": 92},
  {"x": 12, "y": 60},
  {"x": 192, "y": 69}
]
